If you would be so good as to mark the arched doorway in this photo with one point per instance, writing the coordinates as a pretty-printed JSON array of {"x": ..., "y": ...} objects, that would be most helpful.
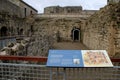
[
  {"x": 21, "y": 31},
  {"x": 3, "y": 31},
  {"x": 76, "y": 34}
]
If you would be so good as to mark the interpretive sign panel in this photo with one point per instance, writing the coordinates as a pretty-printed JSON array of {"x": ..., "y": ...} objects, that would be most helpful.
[
  {"x": 65, "y": 58},
  {"x": 78, "y": 58}
]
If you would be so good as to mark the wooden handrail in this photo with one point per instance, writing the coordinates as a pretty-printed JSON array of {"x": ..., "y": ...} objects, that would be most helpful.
[
  {"x": 24, "y": 58},
  {"x": 35, "y": 59},
  {"x": 115, "y": 60}
]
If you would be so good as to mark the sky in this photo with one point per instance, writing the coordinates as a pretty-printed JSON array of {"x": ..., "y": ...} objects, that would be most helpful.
[{"x": 86, "y": 4}]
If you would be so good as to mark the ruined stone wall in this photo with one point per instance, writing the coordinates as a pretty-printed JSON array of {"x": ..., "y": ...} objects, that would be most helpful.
[
  {"x": 88, "y": 12},
  {"x": 50, "y": 30},
  {"x": 41, "y": 41},
  {"x": 63, "y": 26},
  {"x": 16, "y": 2},
  {"x": 11, "y": 25},
  {"x": 63, "y": 15},
  {"x": 102, "y": 30},
  {"x": 112, "y": 1},
  {"x": 54, "y": 27},
  {"x": 62, "y": 10},
  {"x": 67, "y": 10},
  {"x": 12, "y": 18},
  {"x": 40, "y": 44},
  {"x": 17, "y": 7},
  {"x": 6, "y": 6},
  {"x": 26, "y": 9}
]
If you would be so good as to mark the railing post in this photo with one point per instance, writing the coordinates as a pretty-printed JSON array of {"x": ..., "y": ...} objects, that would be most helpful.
[
  {"x": 65, "y": 78},
  {"x": 51, "y": 73}
]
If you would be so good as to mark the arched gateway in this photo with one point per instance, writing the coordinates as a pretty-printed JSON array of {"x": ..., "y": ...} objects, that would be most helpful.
[
  {"x": 75, "y": 34},
  {"x": 3, "y": 31}
]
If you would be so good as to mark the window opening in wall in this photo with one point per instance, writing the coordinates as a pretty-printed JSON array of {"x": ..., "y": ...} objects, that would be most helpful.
[
  {"x": 3, "y": 31},
  {"x": 21, "y": 31},
  {"x": 31, "y": 12},
  {"x": 31, "y": 28},
  {"x": 25, "y": 12},
  {"x": 18, "y": 30}
]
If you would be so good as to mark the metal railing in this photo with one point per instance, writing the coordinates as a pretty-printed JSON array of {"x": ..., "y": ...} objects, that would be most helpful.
[
  {"x": 10, "y": 71},
  {"x": 33, "y": 68},
  {"x": 23, "y": 68},
  {"x": 85, "y": 73},
  {"x": 4, "y": 41}
]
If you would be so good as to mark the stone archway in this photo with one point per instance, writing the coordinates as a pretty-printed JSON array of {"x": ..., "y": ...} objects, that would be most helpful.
[
  {"x": 21, "y": 32},
  {"x": 3, "y": 31},
  {"x": 76, "y": 34}
]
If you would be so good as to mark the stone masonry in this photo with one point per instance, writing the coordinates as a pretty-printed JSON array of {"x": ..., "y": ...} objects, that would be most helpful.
[
  {"x": 62, "y": 10},
  {"x": 112, "y": 1},
  {"x": 11, "y": 25},
  {"x": 67, "y": 10},
  {"x": 60, "y": 28},
  {"x": 12, "y": 17},
  {"x": 49, "y": 28},
  {"x": 96, "y": 29},
  {"x": 102, "y": 30}
]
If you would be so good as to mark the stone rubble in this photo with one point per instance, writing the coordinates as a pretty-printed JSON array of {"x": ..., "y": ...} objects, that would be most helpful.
[{"x": 17, "y": 49}]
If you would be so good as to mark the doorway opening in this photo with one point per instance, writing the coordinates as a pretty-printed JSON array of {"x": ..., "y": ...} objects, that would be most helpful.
[
  {"x": 76, "y": 34},
  {"x": 3, "y": 31},
  {"x": 21, "y": 31}
]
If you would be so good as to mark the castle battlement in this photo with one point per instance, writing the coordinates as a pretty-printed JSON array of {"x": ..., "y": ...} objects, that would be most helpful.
[{"x": 67, "y": 10}]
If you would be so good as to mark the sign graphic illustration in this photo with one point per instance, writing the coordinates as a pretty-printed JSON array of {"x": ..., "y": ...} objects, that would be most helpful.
[{"x": 96, "y": 58}]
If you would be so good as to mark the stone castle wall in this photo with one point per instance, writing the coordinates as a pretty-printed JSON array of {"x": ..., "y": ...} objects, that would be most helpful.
[
  {"x": 13, "y": 19},
  {"x": 11, "y": 25},
  {"x": 26, "y": 10},
  {"x": 62, "y": 21},
  {"x": 17, "y": 7},
  {"x": 58, "y": 26},
  {"x": 67, "y": 10},
  {"x": 49, "y": 30},
  {"x": 55, "y": 27},
  {"x": 112, "y": 1},
  {"x": 6, "y": 6},
  {"x": 62, "y": 10},
  {"x": 62, "y": 16},
  {"x": 102, "y": 30},
  {"x": 97, "y": 31}
]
